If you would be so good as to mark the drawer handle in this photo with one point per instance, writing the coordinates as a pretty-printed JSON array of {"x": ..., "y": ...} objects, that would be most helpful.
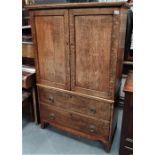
[
  {"x": 52, "y": 116},
  {"x": 51, "y": 99},
  {"x": 93, "y": 110},
  {"x": 92, "y": 128},
  {"x": 129, "y": 140},
  {"x": 129, "y": 148}
]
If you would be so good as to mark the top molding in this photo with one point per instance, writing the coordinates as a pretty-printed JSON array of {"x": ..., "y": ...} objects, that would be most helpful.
[{"x": 77, "y": 5}]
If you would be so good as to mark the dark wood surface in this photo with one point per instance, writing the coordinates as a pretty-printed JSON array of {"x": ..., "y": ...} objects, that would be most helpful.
[
  {"x": 128, "y": 38},
  {"x": 25, "y": 95},
  {"x": 27, "y": 104},
  {"x": 79, "y": 54},
  {"x": 128, "y": 87},
  {"x": 28, "y": 61},
  {"x": 128, "y": 52},
  {"x": 126, "y": 143},
  {"x": 29, "y": 84}
]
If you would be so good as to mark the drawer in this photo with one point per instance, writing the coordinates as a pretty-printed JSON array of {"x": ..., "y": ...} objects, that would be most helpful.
[
  {"x": 74, "y": 121},
  {"x": 128, "y": 142},
  {"x": 76, "y": 103},
  {"x": 27, "y": 50},
  {"x": 125, "y": 150}
]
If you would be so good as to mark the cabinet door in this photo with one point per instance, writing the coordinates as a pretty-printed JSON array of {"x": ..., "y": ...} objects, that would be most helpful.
[
  {"x": 52, "y": 37},
  {"x": 94, "y": 41}
]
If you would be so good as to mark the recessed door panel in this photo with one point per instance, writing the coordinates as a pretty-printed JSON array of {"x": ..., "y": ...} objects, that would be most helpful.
[
  {"x": 53, "y": 51},
  {"x": 91, "y": 42}
]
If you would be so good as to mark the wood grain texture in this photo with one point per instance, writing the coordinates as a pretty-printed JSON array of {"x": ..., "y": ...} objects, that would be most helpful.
[
  {"x": 35, "y": 46},
  {"x": 113, "y": 55},
  {"x": 94, "y": 38},
  {"x": 78, "y": 5},
  {"x": 76, "y": 93},
  {"x": 53, "y": 55},
  {"x": 75, "y": 121},
  {"x": 27, "y": 50},
  {"x": 50, "y": 53},
  {"x": 91, "y": 107},
  {"x": 121, "y": 46},
  {"x": 78, "y": 51}
]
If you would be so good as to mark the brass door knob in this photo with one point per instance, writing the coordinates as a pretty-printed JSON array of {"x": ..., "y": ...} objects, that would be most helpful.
[
  {"x": 51, "y": 99},
  {"x": 92, "y": 110},
  {"x": 92, "y": 128},
  {"x": 52, "y": 116}
]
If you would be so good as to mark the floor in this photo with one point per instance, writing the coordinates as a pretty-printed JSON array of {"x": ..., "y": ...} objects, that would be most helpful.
[{"x": 52, "y": 141}]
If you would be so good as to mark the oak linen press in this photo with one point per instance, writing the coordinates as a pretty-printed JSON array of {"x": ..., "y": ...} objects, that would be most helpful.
[{"x": 79, "y": 53}]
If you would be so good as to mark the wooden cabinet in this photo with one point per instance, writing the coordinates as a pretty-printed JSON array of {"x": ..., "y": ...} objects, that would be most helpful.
[
  {"x": 126, "y": 145},
  {"x": 79, "y": 54}
]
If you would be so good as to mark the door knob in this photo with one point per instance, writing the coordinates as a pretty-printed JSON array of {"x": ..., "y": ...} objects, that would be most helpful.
[
  {"x": 51, "y": 99},
  {"x": 92, "y": 110},
  {"x": 92, "y": 128},
  {"x": 52, "y": 116}
]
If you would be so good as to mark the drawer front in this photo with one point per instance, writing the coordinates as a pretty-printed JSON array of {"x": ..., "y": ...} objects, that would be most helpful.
[
  {"x": 27, "y": 50},
  {"x": 128, "y": 142},
  {"x": 125, "y": 150},
  {"x": 91, "y": 107},
  {"x": 74, "y": 121}
]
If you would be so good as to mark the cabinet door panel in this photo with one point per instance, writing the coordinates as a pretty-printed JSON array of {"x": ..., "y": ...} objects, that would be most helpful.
[
  {"x": 91, "y": 42},
  {"x": 53, "y": 51}
]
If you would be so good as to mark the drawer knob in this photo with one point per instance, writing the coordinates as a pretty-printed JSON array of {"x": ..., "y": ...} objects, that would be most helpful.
[
  {"x": 51, "y": 99},
  {"x": 129, "y": 140},
  {"x": 92, "y": 128},
  {"x": 52, "y": 116},
  {"x": 93, "y": 110}
]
